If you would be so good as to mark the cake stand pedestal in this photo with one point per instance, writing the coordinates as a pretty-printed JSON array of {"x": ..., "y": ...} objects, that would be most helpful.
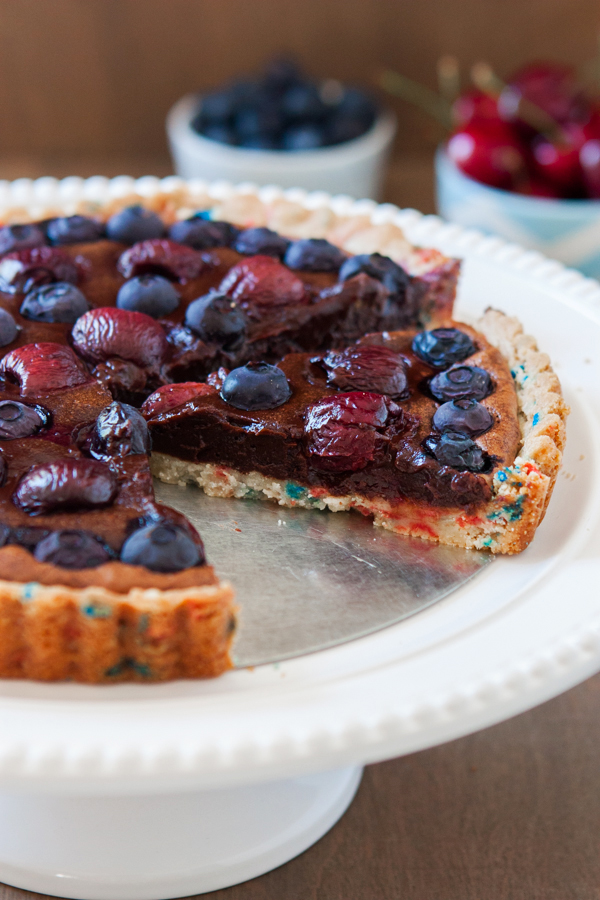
[{"x": 164, "y": 845}]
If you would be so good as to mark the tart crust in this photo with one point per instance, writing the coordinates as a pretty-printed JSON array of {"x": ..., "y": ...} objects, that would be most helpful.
[
  {"x": 520, "y": 492},
  {"x": 95, "y": 635}
]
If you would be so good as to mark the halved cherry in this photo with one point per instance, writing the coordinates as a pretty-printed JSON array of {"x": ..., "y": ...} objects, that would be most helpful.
[
  {"x": 163, "y": 257},
  {"x": 43, "y": 367},
  {"x": 107, "y": 331},
  {"x": 170, "y": 396}
]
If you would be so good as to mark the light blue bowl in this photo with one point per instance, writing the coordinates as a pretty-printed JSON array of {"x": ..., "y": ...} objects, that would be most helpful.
[{"x": 567, "y": 230}]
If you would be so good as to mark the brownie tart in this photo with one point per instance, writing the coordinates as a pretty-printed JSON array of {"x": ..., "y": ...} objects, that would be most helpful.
[
  {"x": 101, "y": 308},
  {"x": 427, "y": 432}
]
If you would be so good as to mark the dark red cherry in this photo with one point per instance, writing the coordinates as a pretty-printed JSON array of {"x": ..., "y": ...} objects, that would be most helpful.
[
  {"x": 492, "y": 155},
  {"x": 162, "y": 257},
  {"x": 72, "y": 549},
  {"x": 23, "y": 270},
  {"x": 65, "y": 484},
  {"x": 120, "y": 430},
  {"x": 19, "y": 420},
  {"x": 558, "y": 164},
  {"x": 549, "y": 86},
  {"x": 170, "y": 396},
  {"x": 107, "y": 331},
  {"x": 341, "y": 430},
  {"x": 260, "y": 283},
  {"x": 43, "y": 367},
  {"x": 475, "y": 107},
  {"x": 367, "y": 367}
]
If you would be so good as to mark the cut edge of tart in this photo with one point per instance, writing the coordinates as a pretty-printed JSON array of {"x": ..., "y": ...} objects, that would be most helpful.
[{"x": 520, "y": 493}]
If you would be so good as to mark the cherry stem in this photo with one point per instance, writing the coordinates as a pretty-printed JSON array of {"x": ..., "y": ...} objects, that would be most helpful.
[
  {"x": 484, "y": 78},
  {"x": 417, "y": 94},
  {"x": 448, "y": 73}
]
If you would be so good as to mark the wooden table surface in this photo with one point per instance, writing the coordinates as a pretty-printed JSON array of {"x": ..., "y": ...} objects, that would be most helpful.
[{"x": 510, "y": 813}]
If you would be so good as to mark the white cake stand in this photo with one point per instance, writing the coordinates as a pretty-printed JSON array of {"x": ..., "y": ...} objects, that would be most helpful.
[{"x": 150, "y": 792}]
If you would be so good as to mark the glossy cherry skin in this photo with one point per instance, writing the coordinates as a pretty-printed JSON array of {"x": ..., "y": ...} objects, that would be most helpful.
[
  {"x": 260, "y": 283},
  {"x": 475, "y": 107},
  {"x": 107, "y": 331},
  {"x": 367, "y": 367},
  {"x": 552, "y": 87},
  {"x": 342, "y": 430},
  {"x": 65, "y": 484},
  {"x": 120, "y": 430},
  {"x": 43, "y": 367},
  {"x": 19, "y": 420},
  {"x": 492, "y": 155},
  {"x": 170, "y": 396}
]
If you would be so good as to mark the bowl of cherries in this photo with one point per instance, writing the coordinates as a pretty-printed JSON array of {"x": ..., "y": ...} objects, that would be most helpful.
[
  {"x": 523, "y": 162},
  {"x": 283, "y": 128}
]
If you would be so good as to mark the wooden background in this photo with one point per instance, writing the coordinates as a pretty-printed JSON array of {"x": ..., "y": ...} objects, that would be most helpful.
[{"x": 85, "y": 84}]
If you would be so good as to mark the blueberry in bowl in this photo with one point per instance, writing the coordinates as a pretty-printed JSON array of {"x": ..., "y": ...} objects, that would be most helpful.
[{"x": 314, "y": 134}]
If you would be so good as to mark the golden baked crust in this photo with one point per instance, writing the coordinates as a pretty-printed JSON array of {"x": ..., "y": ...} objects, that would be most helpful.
[{"x": 97, "y": 636}]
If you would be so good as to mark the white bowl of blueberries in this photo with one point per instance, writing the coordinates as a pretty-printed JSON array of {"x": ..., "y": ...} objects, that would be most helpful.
[{"x": 284, "y": 129}]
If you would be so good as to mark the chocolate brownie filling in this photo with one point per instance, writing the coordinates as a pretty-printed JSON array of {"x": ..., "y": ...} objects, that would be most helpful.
[{"x": 277, "y": 443}]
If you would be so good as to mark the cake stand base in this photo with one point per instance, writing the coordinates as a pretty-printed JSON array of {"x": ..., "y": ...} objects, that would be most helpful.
[{"x": 164, "y": 845}]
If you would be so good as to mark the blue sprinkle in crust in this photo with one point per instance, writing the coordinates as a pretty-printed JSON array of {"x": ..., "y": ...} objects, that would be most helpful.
[
  {"x": 97, "y": 611},
  {"x": 295, "y": 491},
  {"x": 28, "y": 591},
  {"x": 535, "y": 419},
  {"x": 128, "y": 663},
  {"x": 205, "y": 214},
  {"x": 143, "y": 622},
  {"x": 512, "y": 511},
  {"x": 501, "y": 476}
]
